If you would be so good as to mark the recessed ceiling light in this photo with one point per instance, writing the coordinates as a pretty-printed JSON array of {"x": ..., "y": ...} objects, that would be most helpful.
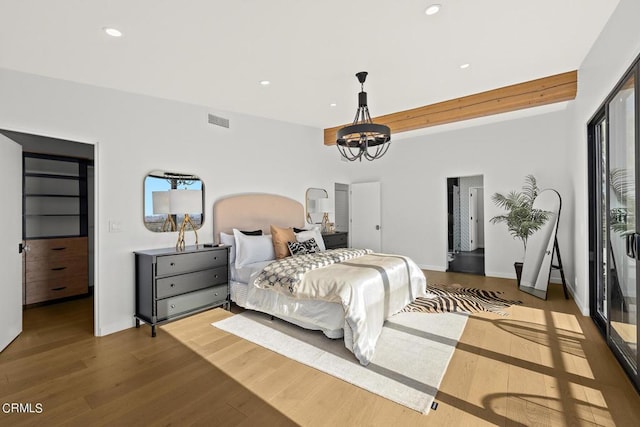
[
  {"x": 265, "y": 82},
  {"x": 433, "y": 9},
  {"x": 113, "y": 32},
  {"x": 463, "y": 66},
  {"x": 333, "y": 104}
]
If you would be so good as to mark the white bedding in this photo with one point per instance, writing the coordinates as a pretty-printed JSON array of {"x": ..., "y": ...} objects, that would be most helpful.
[
  {"x": 243, "y": 274},
  {"x": 327, "y": 317},
  {"x": 370, "y": 289}
]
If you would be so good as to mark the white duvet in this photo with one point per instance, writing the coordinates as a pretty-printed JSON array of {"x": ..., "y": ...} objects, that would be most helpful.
[{"x": 370, "y": 288}]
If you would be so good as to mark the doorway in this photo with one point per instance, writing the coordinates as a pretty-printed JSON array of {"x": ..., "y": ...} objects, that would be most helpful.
[
  {"x": 58, "y": 219},
  {"x": 465, "y": 219}
]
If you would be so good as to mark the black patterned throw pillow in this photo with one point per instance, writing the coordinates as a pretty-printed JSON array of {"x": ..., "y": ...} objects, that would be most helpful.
[
  {"x": 302, "y": 248},
  {"x": 311, "y": 246},
  {"x": 297, "y": 248}
]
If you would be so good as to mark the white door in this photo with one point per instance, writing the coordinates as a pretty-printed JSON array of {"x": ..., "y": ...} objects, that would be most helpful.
[
  {"x": 341, "y": 207},
  {"x": 473, "y": 218},
  {"x": 10, "y": 258},
  {"x": 365, "y": 229}
]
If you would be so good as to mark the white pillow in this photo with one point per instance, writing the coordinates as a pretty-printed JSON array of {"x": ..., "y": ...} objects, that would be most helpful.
[
  {"x": 314, "y": 233},
  {"x": 250, "y": 249},
  {"x": 229, "y": 240}
]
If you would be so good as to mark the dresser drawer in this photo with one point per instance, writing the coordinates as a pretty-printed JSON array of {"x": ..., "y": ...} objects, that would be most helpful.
[
  {"x": 176, "y": 264},
  {"x": 183, "y": 283},
  {"x": 175, "y": 306},
  {"x": 56, "y": 269},
  {"x": 43, "y": 250},
  {"x": 44, "y": 290}
]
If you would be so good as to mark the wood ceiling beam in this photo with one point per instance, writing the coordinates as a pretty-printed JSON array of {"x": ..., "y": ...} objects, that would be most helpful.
[{"x": 534, "y": 93}]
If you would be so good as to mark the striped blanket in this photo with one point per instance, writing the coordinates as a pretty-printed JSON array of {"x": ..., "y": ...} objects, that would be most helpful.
[
  {"x": 370, "y": 287},
  {"x": 287, "y": 273}
]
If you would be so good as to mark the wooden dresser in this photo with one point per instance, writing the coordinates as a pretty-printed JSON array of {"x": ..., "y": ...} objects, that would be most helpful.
[
  {"x": 171, "y": 284},
  {"x": 55, "y": 268},
  {"x": 339, "y": 239}
]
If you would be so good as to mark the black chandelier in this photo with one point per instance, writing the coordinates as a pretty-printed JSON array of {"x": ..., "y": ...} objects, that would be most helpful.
[{"x": 363, "y": 138}]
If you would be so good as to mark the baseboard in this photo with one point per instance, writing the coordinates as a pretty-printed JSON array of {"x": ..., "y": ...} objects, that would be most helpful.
[
  {"x": 432, "y": 267},
  {"x": 500, "y": 275}
]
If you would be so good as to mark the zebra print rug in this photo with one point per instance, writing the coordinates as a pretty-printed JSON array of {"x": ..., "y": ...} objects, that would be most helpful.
[{"x": 457, "y": 298}]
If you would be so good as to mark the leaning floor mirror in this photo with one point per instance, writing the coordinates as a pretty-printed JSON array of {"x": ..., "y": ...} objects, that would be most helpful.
[{"x": 538, "y": 256}]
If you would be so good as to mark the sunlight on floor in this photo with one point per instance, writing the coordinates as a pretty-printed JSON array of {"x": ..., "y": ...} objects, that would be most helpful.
[{"x": 550, "y": 379}]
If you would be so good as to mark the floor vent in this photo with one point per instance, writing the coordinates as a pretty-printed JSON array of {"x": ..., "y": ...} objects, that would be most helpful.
[{"x": 219, "y": 121}]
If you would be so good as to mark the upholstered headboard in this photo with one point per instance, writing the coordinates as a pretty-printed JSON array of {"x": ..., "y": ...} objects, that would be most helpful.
[{"x": 255, "y": 211}]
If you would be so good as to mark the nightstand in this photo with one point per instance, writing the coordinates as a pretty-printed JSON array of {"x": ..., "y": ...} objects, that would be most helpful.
[
  {"x": 172, "y": 284},
  {"x": 339, "y": 239}
]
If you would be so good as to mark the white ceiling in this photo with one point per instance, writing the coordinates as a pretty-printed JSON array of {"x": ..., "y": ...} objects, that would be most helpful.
[{"x": 214, "y": 53}]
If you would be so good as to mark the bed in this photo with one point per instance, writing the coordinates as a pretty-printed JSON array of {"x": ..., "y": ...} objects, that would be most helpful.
[{"x": 344, "y": 298}]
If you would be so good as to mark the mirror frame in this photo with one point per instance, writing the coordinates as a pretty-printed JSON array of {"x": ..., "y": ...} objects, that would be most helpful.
[
  {"x": 174, "y": 180},
  {"x": 309, "y": 215},
  {"x": 541, "y": 246}
]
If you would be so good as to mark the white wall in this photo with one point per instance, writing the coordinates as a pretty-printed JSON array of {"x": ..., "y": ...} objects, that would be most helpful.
[
  {"x": 414, "y": 193},
  {"x": 612, "y": 53},
  {"x": 137, "y": 134}
]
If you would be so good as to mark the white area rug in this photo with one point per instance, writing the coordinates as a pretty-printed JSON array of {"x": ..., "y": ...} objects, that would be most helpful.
[{"x": 411, "y": 357}]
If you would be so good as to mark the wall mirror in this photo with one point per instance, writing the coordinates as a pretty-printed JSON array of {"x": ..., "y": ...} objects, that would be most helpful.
[
  {"x": 541, "y": 247},
  {"x": 168, "y": 196},
  {"x": 312, "y": 206}
]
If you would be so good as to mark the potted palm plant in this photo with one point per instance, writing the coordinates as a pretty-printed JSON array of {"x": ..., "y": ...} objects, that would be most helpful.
[{"x": 521, "y": 218}]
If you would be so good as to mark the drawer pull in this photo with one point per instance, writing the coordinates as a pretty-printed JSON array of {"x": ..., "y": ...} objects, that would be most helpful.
[
  {"x": 58, "y": 249},
  {"x": 58, "y": 268},
  {"x": 173, "y": 285},
  {"x": 215, "y": 294},
  {"x": 172, "y": 264},
  {"x": 59, "y": 289},
  {"x": 173, "y": 306}
]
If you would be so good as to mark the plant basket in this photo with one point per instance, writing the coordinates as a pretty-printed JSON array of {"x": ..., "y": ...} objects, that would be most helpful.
[{"x": 518, "y": 267}]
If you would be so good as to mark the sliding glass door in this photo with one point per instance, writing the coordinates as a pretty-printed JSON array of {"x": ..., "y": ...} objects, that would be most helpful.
[{"x": 614, "y": 233}]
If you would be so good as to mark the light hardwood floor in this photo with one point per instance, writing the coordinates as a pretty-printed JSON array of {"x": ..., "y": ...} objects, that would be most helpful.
[{"x": 544, "y": 364}]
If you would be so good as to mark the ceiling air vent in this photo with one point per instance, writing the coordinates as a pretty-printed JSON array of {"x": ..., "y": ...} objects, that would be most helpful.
[{"x": 219, "y": 121}]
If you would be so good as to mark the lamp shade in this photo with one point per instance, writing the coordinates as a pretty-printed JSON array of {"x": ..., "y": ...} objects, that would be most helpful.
[
  {"x": 160, "y": 200},
  {"x": 185, "y": 201},
  {"x": 312, "y": 207},
  {"x": 324, "y": 205}
]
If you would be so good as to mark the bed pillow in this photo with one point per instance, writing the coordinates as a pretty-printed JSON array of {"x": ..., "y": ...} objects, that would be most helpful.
[
  {"x": 230, "y": 240},
  {"x": 311, "y": 246},
  {"x": 252, "y": 233},
  {"x": 296, "y": 248},
  {"x": 303, "y": 248},
  {"x": 281, "y": 236},
  {"x": 250, "y": 249},
  {"x": 314, "y": 233}
]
